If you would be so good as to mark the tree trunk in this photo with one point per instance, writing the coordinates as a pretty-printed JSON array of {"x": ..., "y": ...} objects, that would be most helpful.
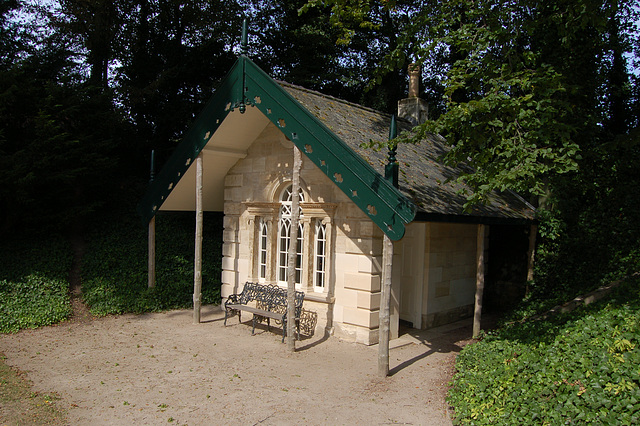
[
  {"x": 293, "y": 249},
  {"x": 385, "y": 308},
  {"x": 477, "y": 313},
  {"x": 197, "y": 275}
]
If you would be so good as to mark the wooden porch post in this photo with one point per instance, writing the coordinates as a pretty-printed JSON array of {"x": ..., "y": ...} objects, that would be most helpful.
[
  {"x": 293, "y": 249},
  {"x": 391, "y": 174},
  {"x": 197, "y": 273},
  {"x": 152, "y": 253},
  {"x": 477, "y": 313},
  {"x": 385, "y": 302},
  {"x": 151, "y": 279},
  {"x": 533, "y": 231}
]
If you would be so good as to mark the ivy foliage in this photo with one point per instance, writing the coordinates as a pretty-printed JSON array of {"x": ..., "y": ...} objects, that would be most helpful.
[
  {"x": 34, "y": 270},
  {"x": 33, "y": 282},
  {"x": 581, "y": 367},
  {"x": 115, "y": 265}
]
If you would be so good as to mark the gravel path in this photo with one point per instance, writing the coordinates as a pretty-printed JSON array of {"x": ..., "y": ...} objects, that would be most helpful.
[{"x": 160, "y": 368}]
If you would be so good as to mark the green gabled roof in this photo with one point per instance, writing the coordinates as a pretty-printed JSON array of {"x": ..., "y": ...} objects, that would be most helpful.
[{"x": 248, "y": 86}]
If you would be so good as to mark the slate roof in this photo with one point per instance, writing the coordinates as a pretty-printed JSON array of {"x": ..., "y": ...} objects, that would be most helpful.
[{"x": 423, "y": 178}]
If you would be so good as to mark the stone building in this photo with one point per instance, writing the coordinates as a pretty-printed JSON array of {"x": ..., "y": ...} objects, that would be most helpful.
[{"x": 246, "y": 136}]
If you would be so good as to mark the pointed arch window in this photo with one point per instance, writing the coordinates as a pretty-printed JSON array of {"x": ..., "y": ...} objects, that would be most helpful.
[
  {"x": 320, "y": 256},
  {"x": 284, "y": 236},
  {"x": 263, "y": 241},
  {"x": 269, "y": 241}
]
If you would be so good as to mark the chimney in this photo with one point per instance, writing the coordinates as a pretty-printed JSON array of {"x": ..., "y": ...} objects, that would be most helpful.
[{"x": 413, "y": 108}]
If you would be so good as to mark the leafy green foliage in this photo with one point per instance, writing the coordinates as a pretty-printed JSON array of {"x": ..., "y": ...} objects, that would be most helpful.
[
  {"x": 577, "y": 368},
  {"x": 591, "y": 237},
  {"x": 34, "y": 270},
  {"x": 512, "y": 109},
  {"x": 115, "y": 265},
  {"x": 33, "y": 302},
  {"x": 33, "y": 282},
  {"x": 528, "y": 86}
]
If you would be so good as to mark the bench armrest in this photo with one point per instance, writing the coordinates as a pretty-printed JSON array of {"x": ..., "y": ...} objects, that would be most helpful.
[{"x": 232, "y": 300}]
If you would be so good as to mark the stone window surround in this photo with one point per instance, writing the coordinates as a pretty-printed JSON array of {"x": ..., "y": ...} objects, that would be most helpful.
[{"x": 269, "y": 213}]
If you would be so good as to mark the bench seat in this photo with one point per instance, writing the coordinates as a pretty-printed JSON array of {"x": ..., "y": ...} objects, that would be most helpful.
[{"x": 271, "y": 302}]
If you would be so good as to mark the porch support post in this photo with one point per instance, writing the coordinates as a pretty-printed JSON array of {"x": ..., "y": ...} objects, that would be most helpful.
[
  {"x": 391, "y": 174},
  {"x": 152, "y": 253},
  {"x": 293, "y": 249},
  {"x": 197, "y": 273},
  {"x": 151, "y": 281},
  {"x": 477, "y": 312},
  {"x": 533, "y": 231},
  {"x": 385, "y": 302}
]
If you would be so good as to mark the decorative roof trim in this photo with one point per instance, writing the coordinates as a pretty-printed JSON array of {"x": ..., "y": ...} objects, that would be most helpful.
[
  {"x": 246, "y": 85},
  {"x": 226, "y": 98}
]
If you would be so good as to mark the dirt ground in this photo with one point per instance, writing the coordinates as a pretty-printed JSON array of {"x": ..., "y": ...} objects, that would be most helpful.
[{"x": 160, "y": 368}]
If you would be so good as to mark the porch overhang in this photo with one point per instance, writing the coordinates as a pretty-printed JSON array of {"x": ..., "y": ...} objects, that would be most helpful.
[{"x": 247, "y": 100}]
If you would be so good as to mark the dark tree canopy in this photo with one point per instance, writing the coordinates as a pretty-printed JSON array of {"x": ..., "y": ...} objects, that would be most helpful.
[
  {"x": 539, "y": 97},
  {"x": 527, "y": 85}
]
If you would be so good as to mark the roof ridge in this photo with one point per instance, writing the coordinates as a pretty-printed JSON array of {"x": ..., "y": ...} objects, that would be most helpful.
[{"x": 342, "y": 101}]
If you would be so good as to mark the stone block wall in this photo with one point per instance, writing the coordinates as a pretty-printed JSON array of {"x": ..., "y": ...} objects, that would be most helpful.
[
  {"x": 441, "y": 256},
  {"x": 450, "y": 273},
  {"x": 349, "y": 305}
]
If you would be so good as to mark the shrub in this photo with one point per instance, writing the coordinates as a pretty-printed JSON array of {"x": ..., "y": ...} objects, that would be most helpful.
[
  {"x": 576, "y": 368},
  {"x": 34, "y": 283},
  {"x": 115, "y": 265},
  {"x": 33, "y": 301}
]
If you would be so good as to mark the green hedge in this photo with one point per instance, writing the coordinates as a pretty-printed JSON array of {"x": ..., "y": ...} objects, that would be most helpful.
[
  {"x": 115, "y": 265},
  {"x": 583, "y": 367},
  {"x": 34, "y": 271},
  {"x": 34, "y": 284}
]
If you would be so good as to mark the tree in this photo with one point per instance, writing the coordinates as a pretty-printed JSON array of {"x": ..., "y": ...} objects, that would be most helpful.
[
  {"x": 522, "y": 80},
  {"x": 57, "y": 141},
  {"x": 171, "y": 56},
  {"x": 60, "y": 136},
  {"x": 540, "y": 97},
  {"x": 301, "y": 45},
  {"x": 12, "y": 43}
]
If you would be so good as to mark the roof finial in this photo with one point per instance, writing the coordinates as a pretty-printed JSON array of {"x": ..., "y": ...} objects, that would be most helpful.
[
  {"x": 393, "y": 128},
  {"x": 391, "y": 169},
  {"x": 244, "y": 42}
]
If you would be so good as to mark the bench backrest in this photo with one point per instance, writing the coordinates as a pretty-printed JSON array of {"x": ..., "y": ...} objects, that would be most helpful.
[{"x": 270, "y": 296}]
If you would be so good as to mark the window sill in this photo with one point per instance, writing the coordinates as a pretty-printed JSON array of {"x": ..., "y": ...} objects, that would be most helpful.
[
  {"x": 309, "y": 295},
  {"x": 319, "y": 297}
]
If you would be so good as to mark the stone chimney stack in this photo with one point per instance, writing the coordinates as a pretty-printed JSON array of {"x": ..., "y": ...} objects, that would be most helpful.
[{"x": 413, "y": 108}]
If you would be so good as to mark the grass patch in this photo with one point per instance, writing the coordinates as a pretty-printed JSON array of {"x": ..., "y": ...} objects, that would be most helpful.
[
  {"x": 21, "y": 405},
  {"x": 115, "y": 265},
  {"x": 34, "y": 282},
  {"x": 581, "y": 367}
]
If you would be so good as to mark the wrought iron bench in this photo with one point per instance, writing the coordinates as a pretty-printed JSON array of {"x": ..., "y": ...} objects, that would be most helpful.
[{"x": 270, "y": 302}]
